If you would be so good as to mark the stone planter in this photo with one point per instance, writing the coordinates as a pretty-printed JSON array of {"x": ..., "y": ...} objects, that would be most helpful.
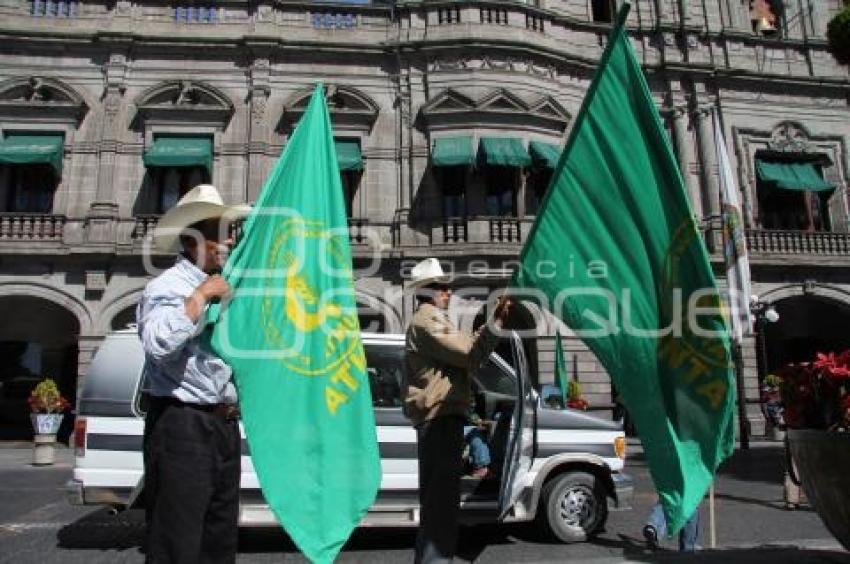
[
  {"x": 44, "y": 450},
  {"x": 823, "y": 461},
  {"x": 46, "y": 423},
  {"x": 45, "y": 426}
]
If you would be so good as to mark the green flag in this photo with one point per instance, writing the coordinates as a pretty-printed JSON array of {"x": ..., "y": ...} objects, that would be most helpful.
[
  {"x": 561, "y": 369},
  {"x": 615, "y": 253},
  {"x": 292, "y": 336}
]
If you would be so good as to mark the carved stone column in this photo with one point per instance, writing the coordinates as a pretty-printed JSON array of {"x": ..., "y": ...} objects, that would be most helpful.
[
  {"x": 260, "y": 131},
  {"x": 522, "y": 188},
  {"x": 101, "y": 222},
  {"x": 685, "y": 156},
  {"x": 404, "y": 150},
  {"x": 708, "y": 169}
]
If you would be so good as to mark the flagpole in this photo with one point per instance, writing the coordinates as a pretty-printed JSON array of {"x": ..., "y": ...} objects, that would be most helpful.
[
  {"x": 736, "y": 335},
  {"x": 711, "y": 523},
  {"x": 744, "y": 433}
]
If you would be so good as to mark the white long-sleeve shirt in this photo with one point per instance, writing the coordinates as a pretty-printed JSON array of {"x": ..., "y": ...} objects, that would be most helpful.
[{"x": 176, "y": 363}]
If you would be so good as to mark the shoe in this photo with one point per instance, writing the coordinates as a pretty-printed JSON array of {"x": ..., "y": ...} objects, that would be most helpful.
[
  {"x": 481, "y": 473},
  {"x": 651, "y": 536}
]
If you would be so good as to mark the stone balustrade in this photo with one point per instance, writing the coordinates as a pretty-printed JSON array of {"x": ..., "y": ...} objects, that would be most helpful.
[
  {"x": 31, "y": 227},
  {"x": 798, "y": 242},
  {"x": 144, "y": 225},
  {"x": 505, "y": 231}
]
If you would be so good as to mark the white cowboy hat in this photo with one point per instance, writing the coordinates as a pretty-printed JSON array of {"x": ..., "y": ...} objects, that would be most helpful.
[
  {"x": 427, "y": 272},
  {"x": 200, "y": 203}
]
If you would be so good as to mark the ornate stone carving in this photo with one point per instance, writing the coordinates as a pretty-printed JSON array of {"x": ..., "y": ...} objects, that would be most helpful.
[
  {"x": 539, "y": 70},
  {"x": 265, "y": 13},
  {"x": 34, "y": 89},
  {"x": 486, "y": 62},
  {"x": 449, "y": 64},
  {"x": 490, "y": 63},
  {"x": 791, "y": 137},
  {"x": 112, "y": 101},
  {"x": 348, "y": 106},
  {"x": 259, "y": 100},
  {"x": 168, "y": 99},
  {"x": 123, "y": 8},
  {"x": 29, "y": 94}
]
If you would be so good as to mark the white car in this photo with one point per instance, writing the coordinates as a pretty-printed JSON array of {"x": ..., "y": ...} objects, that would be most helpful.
[{"x": 562, "y": 467}]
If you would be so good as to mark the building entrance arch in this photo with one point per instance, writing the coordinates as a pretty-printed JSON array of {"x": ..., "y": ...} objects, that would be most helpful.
[
  {"x": 807, "y": 324},
  {"x": 38, "y": 339}
]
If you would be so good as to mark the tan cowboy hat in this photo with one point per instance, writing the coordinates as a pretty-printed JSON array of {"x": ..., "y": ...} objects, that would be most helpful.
[
  {"x": 200, "y": 203},
  {"x": 427, "y": 272}
]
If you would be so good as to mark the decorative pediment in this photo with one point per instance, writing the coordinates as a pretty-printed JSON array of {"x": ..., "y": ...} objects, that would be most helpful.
[
  {"x": 184, "y": 100},
  {"x": 348, "y": 107},
  {"x": 449, "y": 100},
  {"x": 502, "y": 100},
  {"x": 548, "y": 106},
  {"x": 451, "y": 109},
  {"x": 42, "y": 97}
]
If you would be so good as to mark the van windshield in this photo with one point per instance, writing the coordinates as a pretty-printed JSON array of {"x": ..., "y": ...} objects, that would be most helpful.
[
  {"x": 492, "y": 378},
  {"x": 385, "y": 363}
]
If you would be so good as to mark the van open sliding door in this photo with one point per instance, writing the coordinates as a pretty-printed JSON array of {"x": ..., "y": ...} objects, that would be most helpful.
[{"x": 521, "y": 437}]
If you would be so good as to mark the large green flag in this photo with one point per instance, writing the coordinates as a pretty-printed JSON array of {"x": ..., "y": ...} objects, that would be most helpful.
[
  {"x": 292, "y": 336},
  {"x": 616, "y": 254}
]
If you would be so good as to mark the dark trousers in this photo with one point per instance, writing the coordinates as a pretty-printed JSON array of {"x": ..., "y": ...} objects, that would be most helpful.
[
  {"x": 192, "y": 471},
  {"x": 440, "y": 450}
]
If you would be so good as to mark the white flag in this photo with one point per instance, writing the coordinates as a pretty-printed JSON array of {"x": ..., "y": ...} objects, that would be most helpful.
[{"x": 734, "y": 243}]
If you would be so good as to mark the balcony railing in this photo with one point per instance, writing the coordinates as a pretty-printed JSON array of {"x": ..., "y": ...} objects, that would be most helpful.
[
  {"x": 362, "y": 231},
  {"x": 762, "y": 242},
  {"x": 798, "y": 242},
  {"x": 505, "y": 230},
  {"x": 449, "y": 231},
  {"x": 479, "y": 229},
  {"x": 31, "y": 227},
  {"x": 144, "y": 225}
]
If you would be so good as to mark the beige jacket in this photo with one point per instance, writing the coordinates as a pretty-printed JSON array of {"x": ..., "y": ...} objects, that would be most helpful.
[{"x": 439, "y": 361}]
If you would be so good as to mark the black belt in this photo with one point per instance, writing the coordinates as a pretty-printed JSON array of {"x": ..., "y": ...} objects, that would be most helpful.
[{"x": 228, "y": 411}]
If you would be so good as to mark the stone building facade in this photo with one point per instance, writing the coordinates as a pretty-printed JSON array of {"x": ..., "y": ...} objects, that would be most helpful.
[{"x": 423, "y": 96}]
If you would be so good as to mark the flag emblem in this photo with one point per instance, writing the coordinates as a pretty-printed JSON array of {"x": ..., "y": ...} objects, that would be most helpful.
[{"x": 310, "y": 312}]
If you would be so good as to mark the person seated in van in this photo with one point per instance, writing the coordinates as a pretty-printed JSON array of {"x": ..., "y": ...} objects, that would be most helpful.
[
  {"x": 192, "y": 447},
  {"x": 476, "y": 434}
]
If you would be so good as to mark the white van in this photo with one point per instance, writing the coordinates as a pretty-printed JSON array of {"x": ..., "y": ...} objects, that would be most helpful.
[{"x": 562, "y": 467}]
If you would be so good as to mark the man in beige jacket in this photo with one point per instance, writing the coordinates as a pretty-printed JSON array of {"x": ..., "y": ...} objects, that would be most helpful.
[{"x": 439, "y": 361}]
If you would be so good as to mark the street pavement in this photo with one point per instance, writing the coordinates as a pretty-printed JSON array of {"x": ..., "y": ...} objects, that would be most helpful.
[{"x": 37, "y": 525}]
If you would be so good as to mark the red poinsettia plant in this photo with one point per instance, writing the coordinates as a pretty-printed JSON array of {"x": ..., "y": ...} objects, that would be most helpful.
[
  {"x": 45, "y": 398},
  {"x": 574, "y": 399},
  {"x": 816, "y": 395}
]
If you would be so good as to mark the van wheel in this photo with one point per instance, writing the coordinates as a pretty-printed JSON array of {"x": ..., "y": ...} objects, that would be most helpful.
[{"x": 573, "y": 506}]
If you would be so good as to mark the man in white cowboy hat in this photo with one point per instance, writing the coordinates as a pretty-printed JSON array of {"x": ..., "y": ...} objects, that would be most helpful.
[
  {"x": 439, "y": 360},
  {"x": 192, "y": 448}
]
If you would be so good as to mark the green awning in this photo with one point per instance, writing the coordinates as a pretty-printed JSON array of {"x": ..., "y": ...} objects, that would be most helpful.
[
  {"x": 504, "y": 151},
  {"x": 547, "y": 154},
  {"x": 453, "y": 151},
  {"x": 348, "y": 155},
  {"x": 33, "y": 149},
  {"x": 180, "y": 151},
  {"x": 792, "y": 175}
]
